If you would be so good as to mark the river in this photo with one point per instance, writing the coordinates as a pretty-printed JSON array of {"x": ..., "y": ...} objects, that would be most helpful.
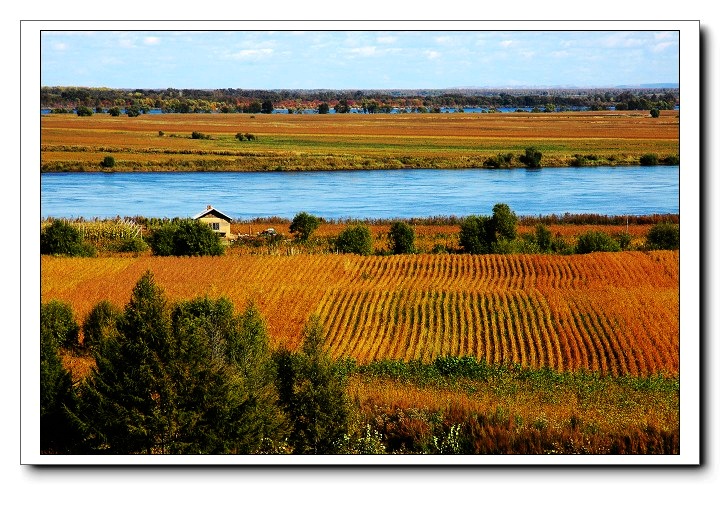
[{"x": 383, "y": 194}]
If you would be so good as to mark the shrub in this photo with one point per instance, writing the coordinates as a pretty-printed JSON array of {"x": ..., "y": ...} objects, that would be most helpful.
[
  {"x": 531, "y": 158},
  {"x": 57, "y": 324},
  {"x": 107, "y": 162},
  {"x": 114, "y": 111},
  {"x": 402, "y": 238},
  {"x": 84, "y": 111},
  {"x": 649, "y": 159},
  {"x": 303, "y": 225},
  {"x": 475, "y": 234},
  {"x": 655, "y": 112},
  {"x": 664, "y": 236},
  {"x": 200, "y": 136},
  {"x": 133, "y": 244},
  {"x": 543, "y": 237},
  {"x": 355, "y": 239},
  {"x": 596, "y": 241},
  {"x": 185, "y": 238},
  {"x": 100, "y": 324},
  {"x": 63, "y": 238},
  {"x": 672, "y": 160},
  {"x": 499, "y": 161}
]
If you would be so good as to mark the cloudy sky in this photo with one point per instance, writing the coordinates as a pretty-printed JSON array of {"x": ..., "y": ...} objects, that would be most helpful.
[{"x": 320, "y": 59}]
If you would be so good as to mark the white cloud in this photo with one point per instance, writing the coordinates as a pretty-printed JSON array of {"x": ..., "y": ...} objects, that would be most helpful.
[
  {"x": 506, "y": 43},
  {"x": 364, "y": 51},
  {"x": 432, "y": 55},
  {"x": 658, "y": 48},
  {"x": 59, "y": 46},
  {"x": 252, "y": 54},
  {"x": 151, "y": 41},
  {"x": 386, "y": 39},
  {"x": 443, "y": 39}
]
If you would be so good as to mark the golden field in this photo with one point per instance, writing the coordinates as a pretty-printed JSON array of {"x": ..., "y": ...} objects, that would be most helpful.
[
  {"x": 615, "y": 313},
  {"x": 349, "y": 141}
]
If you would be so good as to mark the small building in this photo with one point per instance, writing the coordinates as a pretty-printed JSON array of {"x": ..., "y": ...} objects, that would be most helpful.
[{"x": 218, "y": 221}]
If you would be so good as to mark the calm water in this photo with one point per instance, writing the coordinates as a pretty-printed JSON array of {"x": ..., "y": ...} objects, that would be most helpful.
[{"x": 364, "y": 194}]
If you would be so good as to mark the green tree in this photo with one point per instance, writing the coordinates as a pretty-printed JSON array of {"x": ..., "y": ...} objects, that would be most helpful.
[
  {"x": 323, "y": 108},
  {"x": 664, "y": 236},
  {"x": 355, "y": 239},
  {"x": 57, "y": 323},
  {"x": 60, "y": 237},
  {"x": 107, "y": 162},
  {"x": 114, "y": 111},
  {"x": 402, "y": 238},
  {"x": 504, "y": 222},
  {"x": 531, "y": 158},
  {"x": 266, "y": 107},
  {"x": 84, "y": 111},
  {"x": 312, "y": 392},
  {"x": 192, "y": 378},
  {"x": 132, "y": 111},
  {"x": 476, "y": 234},
  {"x": 186, "y": 237},
  {"x": 57, "y": 397},
  {"x": 655, "y": 112},
  {"x": 649, "y": 159},
  {"x": 100, "y": 324},
  {"x": 304, "y": 225},
  {"x": 596, "y": 241},
  {"x": 543, "y": 237}
]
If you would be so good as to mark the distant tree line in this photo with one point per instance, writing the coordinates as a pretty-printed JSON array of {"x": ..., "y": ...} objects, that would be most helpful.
[{"x": 342, "y": 101}]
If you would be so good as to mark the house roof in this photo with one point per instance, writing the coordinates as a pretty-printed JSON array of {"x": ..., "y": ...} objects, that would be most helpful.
[{"x": 212, "y": 210}]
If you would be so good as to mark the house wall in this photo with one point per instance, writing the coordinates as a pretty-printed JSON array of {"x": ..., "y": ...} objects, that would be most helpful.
[{"x": 224, "y": 225}]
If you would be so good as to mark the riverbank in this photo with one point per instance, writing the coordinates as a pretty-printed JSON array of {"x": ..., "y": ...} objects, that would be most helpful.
[{"x": 165, "y": 143}]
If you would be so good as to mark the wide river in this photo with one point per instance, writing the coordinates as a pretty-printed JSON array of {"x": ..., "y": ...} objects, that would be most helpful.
[{"x": 364, "y": 194}]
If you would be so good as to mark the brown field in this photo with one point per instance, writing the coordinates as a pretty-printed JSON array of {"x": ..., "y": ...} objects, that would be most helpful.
[
  {"x": 349, "y": 141},
  {"x": 615, "y": 313}
]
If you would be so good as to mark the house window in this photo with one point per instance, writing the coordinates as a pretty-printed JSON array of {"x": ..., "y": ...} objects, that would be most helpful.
[{"x": 216, "y": 226}]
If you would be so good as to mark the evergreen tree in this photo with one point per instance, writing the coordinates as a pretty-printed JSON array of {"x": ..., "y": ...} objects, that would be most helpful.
[
  {"x": 188, "y": 379},
  {"x": 312, "y": 392},
  {"x": 57, "y": 397}
]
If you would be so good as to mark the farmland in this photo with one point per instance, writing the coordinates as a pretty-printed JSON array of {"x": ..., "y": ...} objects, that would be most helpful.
[
  {"x": 613, "y": 313},
  {"x": 162, "y": 142}
]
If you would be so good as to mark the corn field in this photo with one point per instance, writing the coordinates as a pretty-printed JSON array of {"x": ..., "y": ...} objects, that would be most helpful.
[{"x": 615, "y": 313}]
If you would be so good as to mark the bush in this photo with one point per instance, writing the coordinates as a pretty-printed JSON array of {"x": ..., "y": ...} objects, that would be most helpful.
[
  {"x": 84, "y": 111},
  {"x": 664, "y": 236},
  {"x": 63, "y": 238},
  {"x": 543, "y": 237},
  {"x": 402, "y": 238},
  {"x": 303, "y": 225},
  {"x": 596, "y": 241},
  {"x": 185, "y": 238},
  {"x": 107, "y": 162},
  {"x": 355, "y": 239},
  {"x": 198, "y": 135},
  {"x": 114, "y": 111},
  {"x": 100, "y": 324},
  {"x": 499, "y": 161},
  {"x": 531, "y": 158},
  {"x": 655, "y": 112},
  {"x": 57, "y": 324},
  {"x": 476, "y": 234},
  {"x": 649, "y": 159},
  {"x": 133, "y": 244}
]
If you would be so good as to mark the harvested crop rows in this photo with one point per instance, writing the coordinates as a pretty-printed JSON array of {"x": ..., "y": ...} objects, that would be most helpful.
[{"x": 615, "y": 313}]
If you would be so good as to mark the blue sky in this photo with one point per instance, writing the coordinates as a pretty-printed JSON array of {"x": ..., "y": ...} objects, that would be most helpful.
[{"x": 319, "y": 59}]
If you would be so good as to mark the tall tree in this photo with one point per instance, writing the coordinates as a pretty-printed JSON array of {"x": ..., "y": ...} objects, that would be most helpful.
[
  {"x": 312, "y": 392},
  {"x": 188, "y": 379}
]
